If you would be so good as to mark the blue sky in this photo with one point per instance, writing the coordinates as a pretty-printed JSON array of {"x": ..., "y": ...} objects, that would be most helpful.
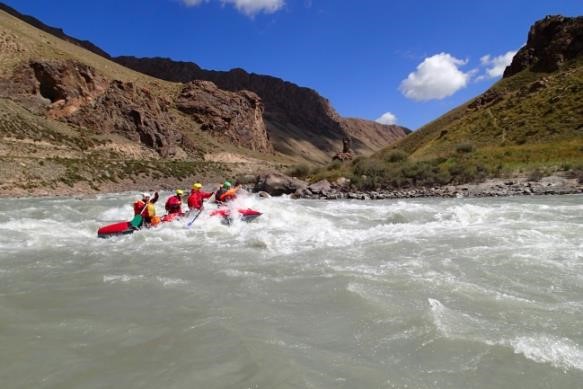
[{"x": 410, "y": 61}]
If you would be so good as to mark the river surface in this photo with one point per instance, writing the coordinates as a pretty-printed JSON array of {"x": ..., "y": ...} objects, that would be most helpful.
[{"x": 429, "y": 293}]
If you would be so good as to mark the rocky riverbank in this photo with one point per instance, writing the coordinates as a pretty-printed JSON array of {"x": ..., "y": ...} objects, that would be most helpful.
[{"x": 277, "y": 184}]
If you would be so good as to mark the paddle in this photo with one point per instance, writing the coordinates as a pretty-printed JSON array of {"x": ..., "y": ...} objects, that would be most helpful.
[{"x": 189, "y": 224}]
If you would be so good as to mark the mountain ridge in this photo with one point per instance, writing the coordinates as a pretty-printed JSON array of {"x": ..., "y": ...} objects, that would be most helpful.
[{"x": 285, "y": 102}]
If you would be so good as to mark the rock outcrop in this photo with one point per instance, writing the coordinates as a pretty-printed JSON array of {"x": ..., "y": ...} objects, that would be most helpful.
[
  {"x": 551, "y": 42},
  {"x": 346, "y": 154},
  {"x": 75, "y": 93},
  {"x": 237, "y": 117},
  {"x": 134, "y": 113}
]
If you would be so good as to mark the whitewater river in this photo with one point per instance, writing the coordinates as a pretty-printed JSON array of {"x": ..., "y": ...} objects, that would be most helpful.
[{"x": 429, "y": 293}]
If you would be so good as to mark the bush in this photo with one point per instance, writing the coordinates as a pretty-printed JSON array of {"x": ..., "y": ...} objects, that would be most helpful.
[
  {"x": 370, "y": 167},
  {"x": 464, "y": 148},
  {"x": 335, "y": 165},
  {"x": 396, "y": 156},
  {"x": 300, "y": 171}
]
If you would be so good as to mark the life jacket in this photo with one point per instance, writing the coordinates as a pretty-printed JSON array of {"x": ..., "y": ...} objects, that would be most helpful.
[
  {"x": 174, "y": 204},
  {"x": 229, "y": 195},
  {"x": 196, "y": 198},
  {"x": 150, "y": 215}
]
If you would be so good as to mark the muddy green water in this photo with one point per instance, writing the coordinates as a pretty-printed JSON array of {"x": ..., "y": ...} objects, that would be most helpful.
[{"x": 433, "y": 293}]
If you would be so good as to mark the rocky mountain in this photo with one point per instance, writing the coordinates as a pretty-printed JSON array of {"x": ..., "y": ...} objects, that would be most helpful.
[
  {"x": 300, "y": 123},
  {"x": 297, "y": 118},
  {"x": 77, "y": 118}
]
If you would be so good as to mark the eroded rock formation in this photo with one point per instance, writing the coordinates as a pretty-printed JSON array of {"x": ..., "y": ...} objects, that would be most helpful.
[{"x": 238, "y": 117}]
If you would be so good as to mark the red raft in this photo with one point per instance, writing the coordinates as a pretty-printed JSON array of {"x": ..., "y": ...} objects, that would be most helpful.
[
  {"x": 125, "y": 228},
  {"x": 115, "y": 229},
  {"x": 245, "y": 215}
]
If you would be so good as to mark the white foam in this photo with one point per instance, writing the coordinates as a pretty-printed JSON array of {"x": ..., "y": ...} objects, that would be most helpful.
[
  {"x": 561, "y": 353},
  {"x": 123, "y": 278},
  {"x": 167, "y": 281}
]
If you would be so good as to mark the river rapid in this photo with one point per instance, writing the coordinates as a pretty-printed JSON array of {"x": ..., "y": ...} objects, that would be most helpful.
[{"x": 425, "y": 293}]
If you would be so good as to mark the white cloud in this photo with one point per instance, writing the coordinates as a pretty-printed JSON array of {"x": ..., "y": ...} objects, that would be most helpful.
[
  {"x": 248, "y": 7},
  {"x": 387, "y": 118},
  {"x": 436, "y": 77},
  {"x": 495, "y": 65},
  {"x": 252, "y": 7},
  {"x": 192, "y": 3}
]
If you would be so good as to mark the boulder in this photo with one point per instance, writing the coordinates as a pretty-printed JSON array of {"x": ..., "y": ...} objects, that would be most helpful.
[
  {"x": 321, "y": 187},
  {"x": 342, "y": 182},
  {"x": 277, "y": 184}
]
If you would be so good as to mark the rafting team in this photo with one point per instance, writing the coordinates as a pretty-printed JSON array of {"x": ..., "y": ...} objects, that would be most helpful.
[{"x": 145, "y": 207}]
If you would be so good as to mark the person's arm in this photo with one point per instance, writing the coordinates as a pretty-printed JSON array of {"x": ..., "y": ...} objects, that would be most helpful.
[{"x": 155, "y": 198}]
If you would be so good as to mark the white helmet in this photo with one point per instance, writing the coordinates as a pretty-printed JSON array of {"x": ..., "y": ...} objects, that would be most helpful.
[{"x": 145, "y": 195}]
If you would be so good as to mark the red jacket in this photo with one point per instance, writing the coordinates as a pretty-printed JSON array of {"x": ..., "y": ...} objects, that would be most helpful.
[
  {"x": 174, "y": 204},
  {"x": 196, "y": 197},
  {"x": 141, "y": 209}
]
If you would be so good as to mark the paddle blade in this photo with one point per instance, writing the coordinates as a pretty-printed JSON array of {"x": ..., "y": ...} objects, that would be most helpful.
[{"x": 137, "y": 221}]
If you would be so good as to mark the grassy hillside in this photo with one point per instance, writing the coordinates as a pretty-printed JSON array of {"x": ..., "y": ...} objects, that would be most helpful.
[
  {"x": 530, "y": 124},
  {"x": 528, "y": 109}
]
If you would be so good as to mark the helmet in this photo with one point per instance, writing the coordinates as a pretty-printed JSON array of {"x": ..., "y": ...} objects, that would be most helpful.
[
  {"x": 179, "y": 192},
  {"x": 226, "y": 184},
  {"x": 197, "y": 186},
  {"x": 145, "y": 195}
]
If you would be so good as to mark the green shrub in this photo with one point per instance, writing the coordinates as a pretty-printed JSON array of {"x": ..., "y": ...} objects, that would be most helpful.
[
  {"x": 464, "y": 148},
  {"x": 300, "y": 171},
  {"x": 370, "y": 167},
  {"x": 396, "y": 156},
  {"x": 335, "y": 165}
]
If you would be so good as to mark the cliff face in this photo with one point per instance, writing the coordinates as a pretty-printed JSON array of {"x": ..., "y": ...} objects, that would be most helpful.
[
  {"x": 297, "y": 118},
  {"x": 236, "y": 117},
  {"x": 551, "y": 42},
  {"x": 300, "y": 106}
]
